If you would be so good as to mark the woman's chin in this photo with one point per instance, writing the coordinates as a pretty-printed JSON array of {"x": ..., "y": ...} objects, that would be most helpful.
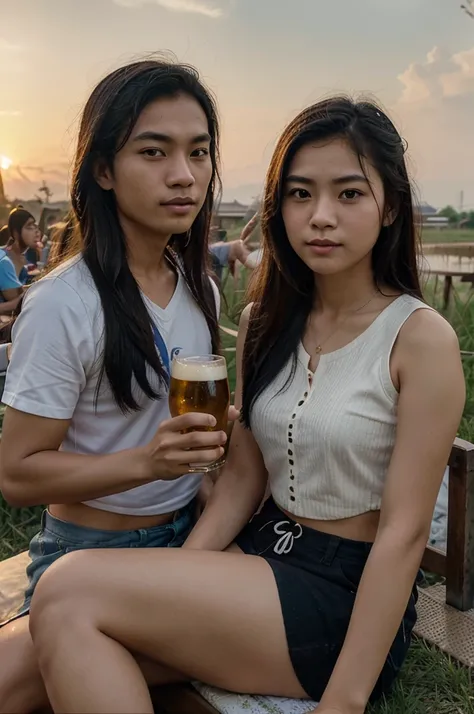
[{"x": 325, "y": 266}]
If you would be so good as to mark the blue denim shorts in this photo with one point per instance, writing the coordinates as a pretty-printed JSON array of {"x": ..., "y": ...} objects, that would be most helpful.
[{"x": 56, "y": 538}]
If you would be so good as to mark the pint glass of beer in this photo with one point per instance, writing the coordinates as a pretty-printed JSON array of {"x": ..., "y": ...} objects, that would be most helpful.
[{"x": 199, "y": 384}]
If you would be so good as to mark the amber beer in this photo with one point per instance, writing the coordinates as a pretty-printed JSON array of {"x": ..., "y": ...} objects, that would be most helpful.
[{"x": 200, "y": 384}]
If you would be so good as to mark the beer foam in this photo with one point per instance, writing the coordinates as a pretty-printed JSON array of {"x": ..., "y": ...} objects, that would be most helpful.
[{"x": 197, "y": 371}]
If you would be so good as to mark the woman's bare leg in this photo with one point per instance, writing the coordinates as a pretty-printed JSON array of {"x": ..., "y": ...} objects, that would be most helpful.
[
  {"x": 21, "y": 686},
  {"x": 216, "y": 617}
]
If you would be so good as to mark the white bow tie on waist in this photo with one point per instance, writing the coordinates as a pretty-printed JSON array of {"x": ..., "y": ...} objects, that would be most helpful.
[{"x": 286, "y": 542}]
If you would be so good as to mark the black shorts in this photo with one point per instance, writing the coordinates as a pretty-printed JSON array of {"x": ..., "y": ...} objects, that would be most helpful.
[{"x": 317, "y": 576}]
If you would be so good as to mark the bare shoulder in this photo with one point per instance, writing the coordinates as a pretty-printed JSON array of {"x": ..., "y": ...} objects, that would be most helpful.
[
  {"x": 426, "y": 332},
  {"x": 428, "y": 367},
  {"x": 430, "y": 377}
]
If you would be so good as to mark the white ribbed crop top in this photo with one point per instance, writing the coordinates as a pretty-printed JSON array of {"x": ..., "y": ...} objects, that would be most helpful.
[{"x": 327, "y": 444}]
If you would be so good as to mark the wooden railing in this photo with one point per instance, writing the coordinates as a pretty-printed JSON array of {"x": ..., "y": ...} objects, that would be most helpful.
[{"x": 457, "y": 564}]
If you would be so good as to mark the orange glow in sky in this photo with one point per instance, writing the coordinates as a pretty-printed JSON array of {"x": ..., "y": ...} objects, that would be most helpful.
[
  {"x": 265, "y": 60},
  {"x": 5, "y": 162}
]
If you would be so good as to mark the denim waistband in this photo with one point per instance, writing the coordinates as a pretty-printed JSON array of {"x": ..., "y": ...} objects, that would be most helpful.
[{"x": 72, "y": 531}]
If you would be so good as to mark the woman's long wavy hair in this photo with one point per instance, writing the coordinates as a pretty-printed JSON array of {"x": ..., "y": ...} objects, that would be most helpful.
[
  {"x": 283, "y": 288},
  {"x": 95, "y": 231}
]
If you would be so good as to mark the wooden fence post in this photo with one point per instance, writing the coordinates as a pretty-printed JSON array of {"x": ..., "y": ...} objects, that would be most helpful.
[{"x": 460, "y": 545}]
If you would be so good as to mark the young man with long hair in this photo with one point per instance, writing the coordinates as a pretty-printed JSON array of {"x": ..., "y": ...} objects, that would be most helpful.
[{"x": 87, "y": 383}]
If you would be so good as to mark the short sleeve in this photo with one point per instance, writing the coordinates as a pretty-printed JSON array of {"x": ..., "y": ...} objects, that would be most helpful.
[
  {"x": 53, "y": 349},
  {"x": 8, "y": 276},
  {"x": 217, "y": 297},
  {"x": 221, "y": 251}
]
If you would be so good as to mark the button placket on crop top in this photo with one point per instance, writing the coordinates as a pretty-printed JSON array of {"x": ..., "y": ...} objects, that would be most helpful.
[
  {"x": 327, "y": 444},
  {"x": 304, "y": 358}
]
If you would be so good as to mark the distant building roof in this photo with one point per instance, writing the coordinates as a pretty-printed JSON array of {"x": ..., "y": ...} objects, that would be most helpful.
[
  {"x": 427, "y": 210},
  {"x": 233, "y": 209},
  {"x": 441, "y": 220}
]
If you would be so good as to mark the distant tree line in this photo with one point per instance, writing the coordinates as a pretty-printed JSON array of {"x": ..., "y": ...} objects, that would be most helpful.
[{"x": 463, "y": 219}]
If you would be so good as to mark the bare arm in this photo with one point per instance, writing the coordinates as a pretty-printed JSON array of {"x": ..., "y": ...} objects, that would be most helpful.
[
  {"x": 430, "y": 406},
  {"x": 12, "y": 298},
  {"x": 241, "y": 486},
  {"x": 238, "y": 251},
  {"x": 249, "y": 228},
  {"x": 33, "y": 471}
]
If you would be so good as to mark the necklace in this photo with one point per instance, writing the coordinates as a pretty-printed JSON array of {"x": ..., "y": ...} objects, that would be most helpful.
[{"x": 319, "y": 347}]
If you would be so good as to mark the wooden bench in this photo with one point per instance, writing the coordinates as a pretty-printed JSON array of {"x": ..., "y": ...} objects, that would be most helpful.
[{"x": 180, "y": 699}]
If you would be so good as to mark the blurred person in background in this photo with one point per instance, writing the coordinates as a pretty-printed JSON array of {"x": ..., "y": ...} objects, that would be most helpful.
[
  {"x": 228, "y": 254},
  {"x": 22, "y": 235}
]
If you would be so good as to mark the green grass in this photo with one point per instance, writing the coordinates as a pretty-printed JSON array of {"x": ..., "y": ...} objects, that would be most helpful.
[
  {"x": 450, "y": 235},
  {"x": 430, "y": 683},
  {"x": 430, "y": 235},
  {"x": 460, "y": 314}
]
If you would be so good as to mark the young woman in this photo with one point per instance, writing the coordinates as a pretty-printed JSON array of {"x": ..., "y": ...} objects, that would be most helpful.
[
  {"x": 24, "y": 235},
  {"x": 351, "y": 394},
  {"x": 87, "y": 383},
  {"x": 17, "y": 237}
]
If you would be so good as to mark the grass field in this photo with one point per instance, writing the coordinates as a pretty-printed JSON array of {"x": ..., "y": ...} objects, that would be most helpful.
[{"x": 431, "y": 235}]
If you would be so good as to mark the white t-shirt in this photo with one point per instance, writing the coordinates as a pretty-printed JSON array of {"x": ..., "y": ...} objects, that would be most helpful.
[{"x": 54, "y": 369}]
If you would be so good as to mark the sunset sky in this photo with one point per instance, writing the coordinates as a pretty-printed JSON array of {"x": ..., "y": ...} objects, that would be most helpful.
[{"x": 264, "y": 59}]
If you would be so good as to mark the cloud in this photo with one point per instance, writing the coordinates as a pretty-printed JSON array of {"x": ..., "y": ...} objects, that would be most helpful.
[
  {"x": 22, "y": 175},
  {"x": 12, "y": 56},
  {"x": 461, "y": 81},
  {"x": 23, "y": 181},
  {"x": 200, "y": 7},
  {"x": 439, "y": 76},
  {"x": 10, "y": 113},
  {"x": 6, "y": 46},
  {"x": 434, "y": 112}
]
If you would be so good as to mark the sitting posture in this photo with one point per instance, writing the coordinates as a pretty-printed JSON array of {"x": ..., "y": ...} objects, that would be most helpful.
[
  {"x": 87, "y": 426},
  {"x": 351, "y": 391}
]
